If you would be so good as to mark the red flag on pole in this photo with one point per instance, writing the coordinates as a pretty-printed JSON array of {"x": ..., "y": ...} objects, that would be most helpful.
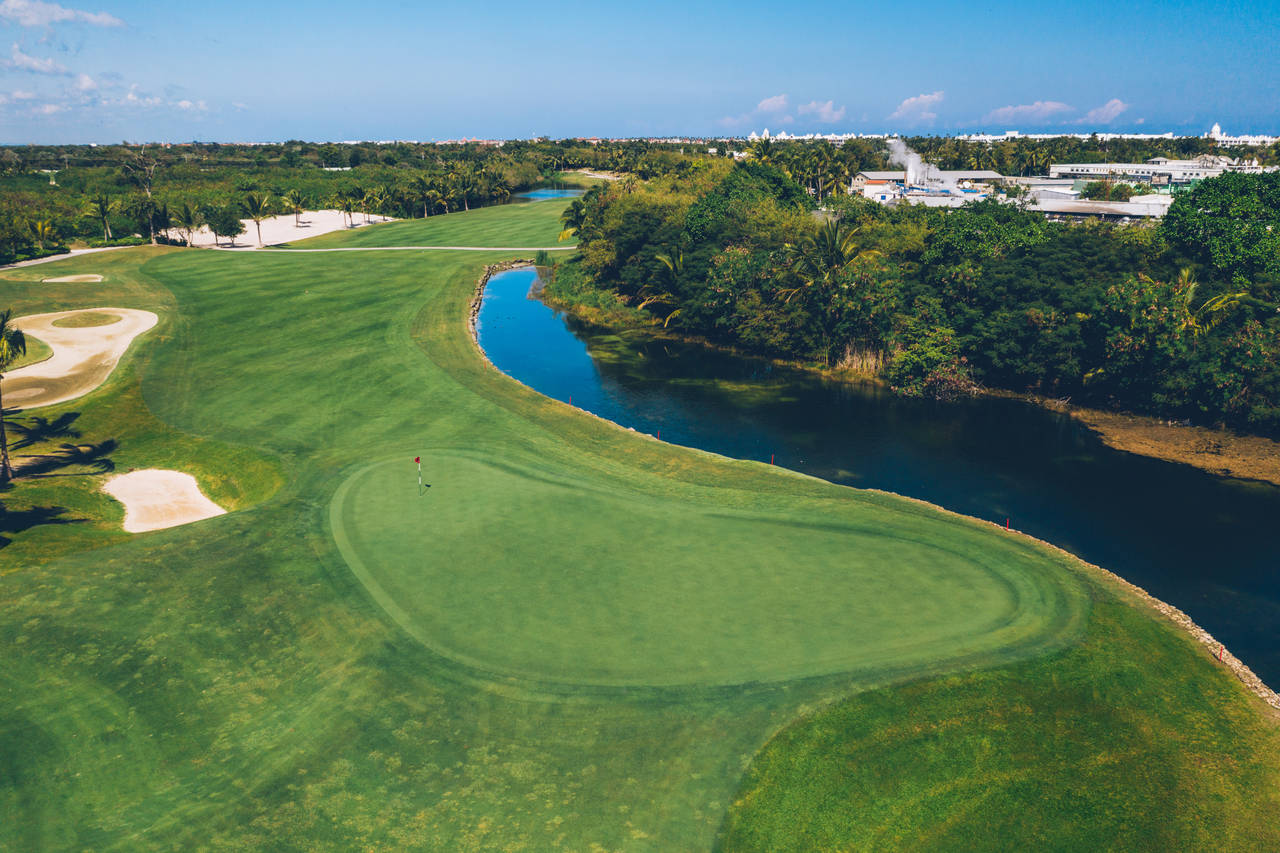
[{"x": 417, "y": 459}]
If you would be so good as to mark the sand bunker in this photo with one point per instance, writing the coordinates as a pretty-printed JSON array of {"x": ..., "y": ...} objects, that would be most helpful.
[
  {"x": 82, "y": 358},
  {"x": 73, "y": 279},
  {"x": 154, "y": 499},
  {"x": 283, "y": 229}
]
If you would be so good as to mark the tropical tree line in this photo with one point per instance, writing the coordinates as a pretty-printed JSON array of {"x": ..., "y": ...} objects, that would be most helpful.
[
  {"x": 1179, "y": 321},
  {"x": 143, "y": 201}
]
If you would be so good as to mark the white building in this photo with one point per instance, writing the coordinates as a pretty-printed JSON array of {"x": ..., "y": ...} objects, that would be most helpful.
[
  {"x": 1158, "y": 171},
  {"x": 1222, "y": 139}
]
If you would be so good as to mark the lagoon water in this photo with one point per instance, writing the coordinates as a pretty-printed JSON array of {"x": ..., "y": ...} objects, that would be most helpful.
[
  {"x": 547, "y": 193},
  {"x": 1207, "y": 545}
]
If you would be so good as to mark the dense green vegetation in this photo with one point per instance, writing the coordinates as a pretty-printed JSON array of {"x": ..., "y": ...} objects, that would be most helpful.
[
  {"x": 1178, "y": 321},
  {"x": 574, "y": 637}
]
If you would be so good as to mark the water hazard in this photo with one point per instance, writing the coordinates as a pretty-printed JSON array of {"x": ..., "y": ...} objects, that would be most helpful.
[{"x": 1202, "y": 543}]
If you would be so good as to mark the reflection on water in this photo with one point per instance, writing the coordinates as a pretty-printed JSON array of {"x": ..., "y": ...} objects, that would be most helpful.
[{"x": 1204, "y": 544}]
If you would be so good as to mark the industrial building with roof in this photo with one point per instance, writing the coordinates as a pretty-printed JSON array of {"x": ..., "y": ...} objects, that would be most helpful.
[{"x": 1158, "y": 171}]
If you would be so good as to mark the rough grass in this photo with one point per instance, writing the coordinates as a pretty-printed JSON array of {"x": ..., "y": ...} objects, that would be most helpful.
[
  {"x": 86, "y": 320},
  {"x": 237, "y": 684}
]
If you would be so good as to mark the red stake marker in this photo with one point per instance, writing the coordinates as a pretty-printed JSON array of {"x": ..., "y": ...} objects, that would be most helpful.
[
  {"x": 1006, "y": 524},
  {"x": 771, "y": 457},
  {"x": 659, "y": 435}
]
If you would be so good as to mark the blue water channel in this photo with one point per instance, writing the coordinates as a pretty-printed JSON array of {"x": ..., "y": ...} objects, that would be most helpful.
[
  {"x": 1205, "y": 544},
  {"x": 547, "y": 193}
]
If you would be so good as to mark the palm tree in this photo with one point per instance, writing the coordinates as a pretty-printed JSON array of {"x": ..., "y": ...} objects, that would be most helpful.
[
  {"x": 42, "y": 231},
  {"x": 370, "y": 199},
  {"x": 257, "y": 206},
  {"x": 345, "y": 203},
  {"x": 143, "y": 209},
  {"x": 188, "y": 220},
  {"x": 763, "y": 150},
  {"x": 295, "y": 202},
  {"x": 819, "y": 257},
  {"x": 573, "y": 218},
  {"x": 1211, "y": 312},
  {"x": 673, "y": 260},
  {"x": 162, "y": 219},
  {"x": 463, "y": 178},
  {"x": 12, "y": 344},
  {"x": 101, "y": 207},
  {"x": 420, "y": 190}
]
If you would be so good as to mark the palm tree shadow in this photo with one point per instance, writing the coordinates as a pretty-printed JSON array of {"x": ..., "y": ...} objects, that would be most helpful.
[
  {"x": 40, "y": 429},
  {"x": 93, "y": 457},
  {"x": 18, "y": 521}
]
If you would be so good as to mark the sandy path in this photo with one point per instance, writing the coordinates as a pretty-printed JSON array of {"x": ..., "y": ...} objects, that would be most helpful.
[
  {"x": 155, "y": 498},
  {"x": 73, "y": 279},
  {"x": 82, "y": 358},
  {"x": 74, "y": 253},
  {"x": 281, "y": 229}
]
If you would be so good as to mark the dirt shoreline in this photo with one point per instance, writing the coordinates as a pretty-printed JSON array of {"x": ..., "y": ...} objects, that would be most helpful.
[
  {"x": 1220, "y": 452},
  {"x": 1216, "y": 649}
]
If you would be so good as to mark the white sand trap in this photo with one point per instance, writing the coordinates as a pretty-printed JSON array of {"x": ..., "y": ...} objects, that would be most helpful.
[
  {"x": 283, "y": 229},
  {"x": 73, "y": 279},
  {"x": 82, "y": 358},
  {"x": 154, "y": 499}
]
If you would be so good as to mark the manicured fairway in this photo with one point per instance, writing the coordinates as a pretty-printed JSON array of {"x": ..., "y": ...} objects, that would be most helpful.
[
  {"x": 577, "y": 638},
  {"x": 533, "y": 224}
]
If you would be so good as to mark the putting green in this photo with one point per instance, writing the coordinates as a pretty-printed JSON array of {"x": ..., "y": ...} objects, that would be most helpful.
[{"x": 492, "y": 567}]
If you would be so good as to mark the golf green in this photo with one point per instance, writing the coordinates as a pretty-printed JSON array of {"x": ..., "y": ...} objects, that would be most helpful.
[{"x": 492, "y": 567}]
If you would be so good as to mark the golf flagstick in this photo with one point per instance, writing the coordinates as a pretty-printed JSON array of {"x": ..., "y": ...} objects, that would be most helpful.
[{"x": 418, "y": 459}]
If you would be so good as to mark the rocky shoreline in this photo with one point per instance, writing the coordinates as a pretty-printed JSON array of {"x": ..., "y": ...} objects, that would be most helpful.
[{"x": 1215, "y": 648}]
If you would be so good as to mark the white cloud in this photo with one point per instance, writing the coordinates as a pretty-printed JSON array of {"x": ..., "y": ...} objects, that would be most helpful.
[
  {"x": 776, "y": 104},
  {"x": 24, "y": 62},
  {"x": 49, "y": 109},
  {"x": 199, "y": 106},
  {"x": 133, "y": 99},
  {"x": 21, "y": 95},
  {"x": 824, "y": 111},
  {"x": 35, "y": 13},
  {"x": 918, "y": 108},
  {"x": 1104, "y": 114},
  {"x": 1037, "y": 112},
  {"x": 771, "y": 109},
  {"x": 85, "y": 83}
]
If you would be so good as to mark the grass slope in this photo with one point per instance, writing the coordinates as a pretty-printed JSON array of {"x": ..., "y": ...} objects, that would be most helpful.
[
  {"x": 37, "y": 351},
  {"x": 1079, "y": 751},
  {"x": 291, "y": 676},
  {"x": 534, "y": 224}
]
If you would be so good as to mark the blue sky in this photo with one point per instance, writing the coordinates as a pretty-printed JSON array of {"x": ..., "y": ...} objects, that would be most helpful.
[{"x": 111, "y": 70}]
